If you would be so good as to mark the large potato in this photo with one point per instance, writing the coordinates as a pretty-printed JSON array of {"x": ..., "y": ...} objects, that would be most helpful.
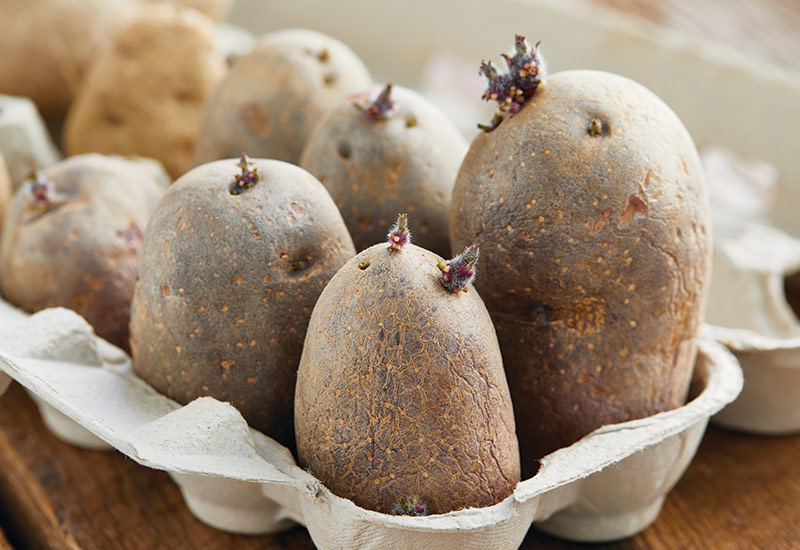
[
  {"x": 402, "y": 405},
  {"x": 146, "y": 92},
  {"x": 72, "y": 237},
  {"x": 591, "y": 211},
  {"x": 273, "y": 95},
  {"x": 227, "y": 285},
  {"x": 47, "y": 46}
]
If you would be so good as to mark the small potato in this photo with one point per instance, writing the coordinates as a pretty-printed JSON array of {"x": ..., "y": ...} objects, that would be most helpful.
[
  {"x": 146, "y": 92},
  {"x": 396, "y": 153},
  {"x": 233, "y": 261},
  {"x": 274, "y": 95},
  {"x": 71, "y": 238},
  {"x": 47, "y": 46}
]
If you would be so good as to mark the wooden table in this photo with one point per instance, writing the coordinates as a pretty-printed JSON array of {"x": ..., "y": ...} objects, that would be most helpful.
[{"x": 741, "y": 492}]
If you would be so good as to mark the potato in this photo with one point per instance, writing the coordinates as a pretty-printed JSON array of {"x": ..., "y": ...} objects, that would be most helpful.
[
  {"x": 218, "y": 10},
  {"x": 47, "y": 46},
  {"x": 5, "y": 188},
  {"x": 402, "y": 405},
  {"x": 146, "y": 92},
  {"x": 228, "y": 282},
  {"x": 71, "y": 238},
  {"x": 591, "y": 210},
  {"x": 273, "y": 95},
  {"x": 396, "y": 153}
]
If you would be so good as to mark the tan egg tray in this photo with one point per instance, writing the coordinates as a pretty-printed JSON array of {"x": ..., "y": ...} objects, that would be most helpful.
[
  {"x": 609, "y": 485},
  {"x": 748, "y": 297}
]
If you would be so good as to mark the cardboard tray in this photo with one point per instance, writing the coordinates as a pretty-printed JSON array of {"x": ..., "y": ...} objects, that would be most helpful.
[
  {"x": 609, "y": 485},
  {"x": 748, "y": 299}
]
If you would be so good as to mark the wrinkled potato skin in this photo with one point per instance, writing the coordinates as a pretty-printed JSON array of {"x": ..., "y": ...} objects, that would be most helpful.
[
  {"x": 5, "y": 188},
  {"x": 273, "y": 95},
  {"x": 48, "y": 46},
  {"x": 221, "y": 307},
  {"x": 82, "y": 253},
  {"x": 595, "y": 254},
  {"x": 146, "y": 92},
  {"x": 401, "y": 390},
  {"x": 373, "y": 170}
]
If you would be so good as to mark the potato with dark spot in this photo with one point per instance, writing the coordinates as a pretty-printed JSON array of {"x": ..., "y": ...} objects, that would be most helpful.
[
  {"x": 273, "y": 95},
  {"x": 232, "y": 263},
  {"x": 402, "y": 405},
  {"x": 591, "y": 210},
  {"x": 394, "y": 153},
  {"x": 147, "y": 90},
  {"x": 72, "y": 236}
]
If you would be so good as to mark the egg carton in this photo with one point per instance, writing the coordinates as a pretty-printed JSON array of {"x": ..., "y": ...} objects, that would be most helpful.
[
  {"x": 609, "y": 485},
  {"x": 24, "y": 141},
  {"x": 758, "y": 325}
]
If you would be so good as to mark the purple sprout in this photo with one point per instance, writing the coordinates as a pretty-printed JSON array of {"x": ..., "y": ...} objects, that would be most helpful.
[
  {"x": 457, "y": 273},
  {"x": 247, "y": 179},
  {"x": 380, "y": 108},
  {"x": 526, "y": 69},
  {"x": 399, "y": 235},
  {"x": 410, "y": 506},
  {"x": 40, "y": 190}
]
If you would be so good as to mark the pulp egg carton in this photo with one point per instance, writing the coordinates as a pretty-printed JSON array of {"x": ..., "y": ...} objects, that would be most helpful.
[
  {"x": 609, "y": 485},
  {"x": 759, "y": 326}
]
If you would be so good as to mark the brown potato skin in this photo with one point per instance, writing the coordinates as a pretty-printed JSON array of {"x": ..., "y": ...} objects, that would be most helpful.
[
  {"x": 82, "y": 253},
  {"x": 5, "y": 188},
  {"x": 595, "y": 254},
  {"x": 222, "y": 305},
  {"x": 401, "y": 390},
  {"x": 375, "y": 169},
  {"x": 273, "y": 95},
  {"x": 146, "y": 92}
]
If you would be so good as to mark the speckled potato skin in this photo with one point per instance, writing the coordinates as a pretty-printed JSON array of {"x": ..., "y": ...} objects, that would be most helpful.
[
  {"x": 595, "y": 254},
  {"x": 401, "y": 390},
  {"x": 223, "y": 302},
  {"x": 48, "y": 46},
  {"x": 146, "y": 92},
  {"x": 272, "y": 96},
  {"x": 373, "y": 170},
  {"x": 82, "y": 254}
]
